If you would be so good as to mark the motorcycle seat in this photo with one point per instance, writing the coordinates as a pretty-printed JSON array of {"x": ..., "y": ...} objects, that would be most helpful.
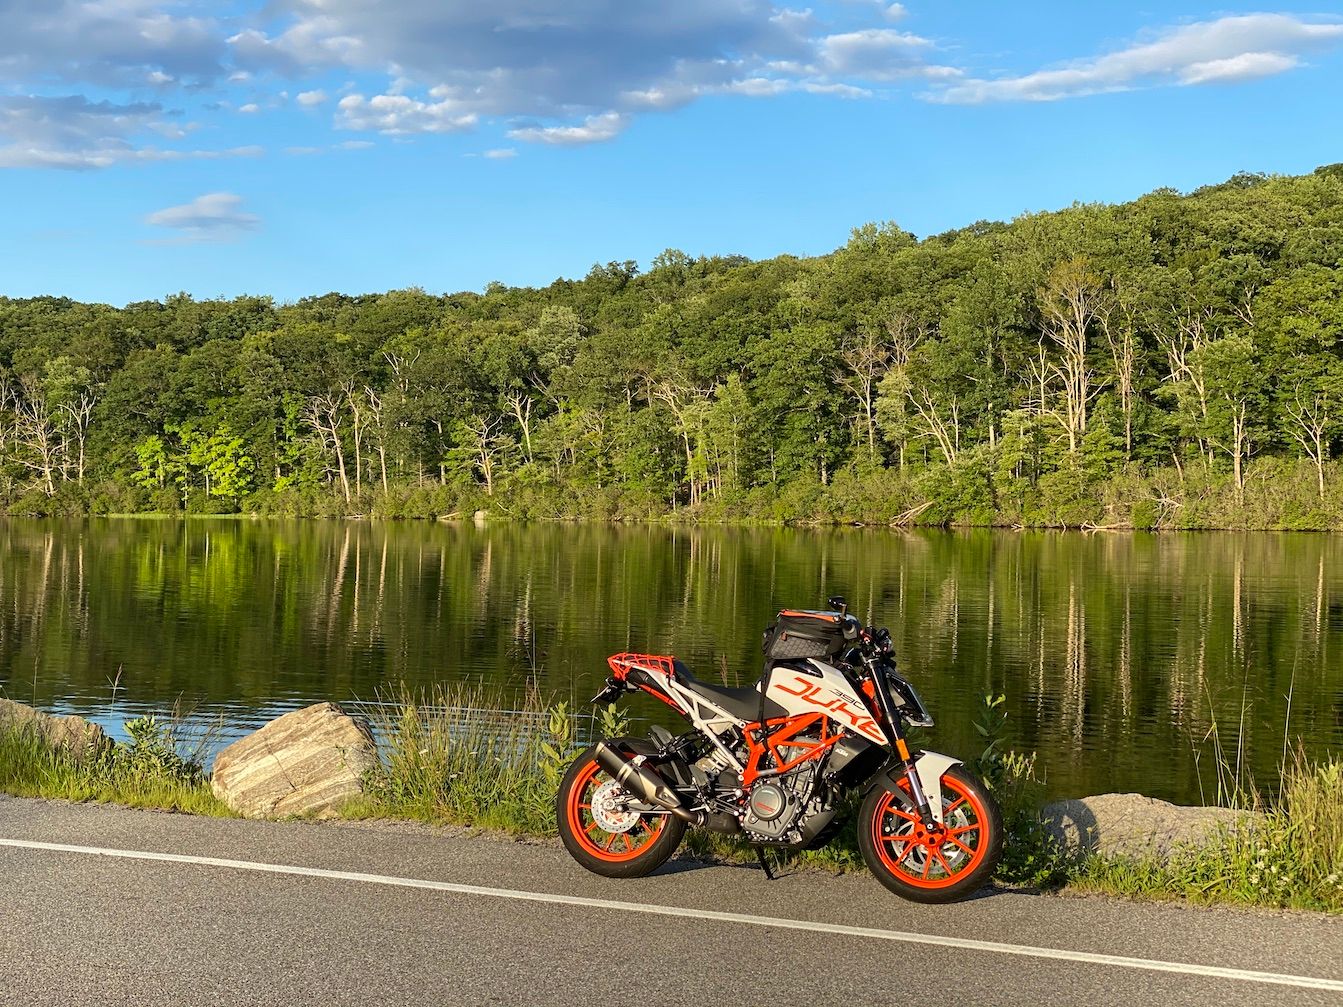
[{"x": 743, "y": 703}]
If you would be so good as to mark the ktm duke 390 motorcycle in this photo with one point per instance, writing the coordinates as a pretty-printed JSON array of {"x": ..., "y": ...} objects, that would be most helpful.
[{"x": 775, "y": 762}]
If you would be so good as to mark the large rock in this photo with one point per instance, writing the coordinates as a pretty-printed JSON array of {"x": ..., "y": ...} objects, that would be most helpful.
[
  {"x": 307, "y": 762},
  {"x": 72, "y": 735},
  {"x": 1133, "y": 826}
]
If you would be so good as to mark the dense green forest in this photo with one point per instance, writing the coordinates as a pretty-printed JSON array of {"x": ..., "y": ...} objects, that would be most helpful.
[{"x": 1169, "y": 362}]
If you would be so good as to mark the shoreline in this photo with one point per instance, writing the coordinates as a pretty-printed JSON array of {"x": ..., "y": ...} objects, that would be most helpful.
[{"x": 671, "y": 522}]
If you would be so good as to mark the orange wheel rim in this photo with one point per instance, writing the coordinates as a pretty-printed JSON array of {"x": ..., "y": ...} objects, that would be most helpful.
[
  {"x": 611, "y": 846},
  {"x": 934, "y": 859}
]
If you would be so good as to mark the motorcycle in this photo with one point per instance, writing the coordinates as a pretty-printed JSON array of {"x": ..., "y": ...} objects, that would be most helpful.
[{"x": 780, "y": 762}]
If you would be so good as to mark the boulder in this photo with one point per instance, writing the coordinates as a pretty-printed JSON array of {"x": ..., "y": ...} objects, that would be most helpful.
[
  {"x": 75, "y": 736},
  {"x": 309, "y": 761},
  {"x": 1132, "y": 826}
]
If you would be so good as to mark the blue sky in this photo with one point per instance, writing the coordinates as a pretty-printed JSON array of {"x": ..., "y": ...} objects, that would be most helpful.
[{"x": 294, "y": 147}]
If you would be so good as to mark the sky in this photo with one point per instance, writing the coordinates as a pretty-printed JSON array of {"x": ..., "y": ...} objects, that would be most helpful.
[{"x": 294, "y": 147}]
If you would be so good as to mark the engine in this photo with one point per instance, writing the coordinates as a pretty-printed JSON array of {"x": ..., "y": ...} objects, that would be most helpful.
[{"x": 789, "y": 810}]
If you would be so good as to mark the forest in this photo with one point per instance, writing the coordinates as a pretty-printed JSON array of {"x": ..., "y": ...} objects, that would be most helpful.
[{"x": 1171, "y": 362}]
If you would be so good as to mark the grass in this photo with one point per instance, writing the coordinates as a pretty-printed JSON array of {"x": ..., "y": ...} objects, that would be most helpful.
[{"x": 146, "y": 773}]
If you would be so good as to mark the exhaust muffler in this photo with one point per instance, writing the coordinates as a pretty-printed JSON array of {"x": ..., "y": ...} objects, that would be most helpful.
[{"x": 645, "y": 784}]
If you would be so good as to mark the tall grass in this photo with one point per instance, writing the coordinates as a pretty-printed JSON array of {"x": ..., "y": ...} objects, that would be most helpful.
[
  {"x": 146, "y": 773},
  {"x": 466, "y": 755},
  {"x": 1287, "y": 853}
]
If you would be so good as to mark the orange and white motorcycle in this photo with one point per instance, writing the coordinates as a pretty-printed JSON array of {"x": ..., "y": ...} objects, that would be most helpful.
[{"x": 777, "y": 762}]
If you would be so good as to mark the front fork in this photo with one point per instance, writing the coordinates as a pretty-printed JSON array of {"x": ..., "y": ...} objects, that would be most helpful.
[{"x": 894, "y": 730}]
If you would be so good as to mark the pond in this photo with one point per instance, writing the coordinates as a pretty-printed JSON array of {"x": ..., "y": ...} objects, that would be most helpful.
[{"x": 1129, "y": 661}]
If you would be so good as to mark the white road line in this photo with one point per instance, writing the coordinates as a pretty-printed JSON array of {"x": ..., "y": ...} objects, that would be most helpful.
[{"x": 963, "y": 943}]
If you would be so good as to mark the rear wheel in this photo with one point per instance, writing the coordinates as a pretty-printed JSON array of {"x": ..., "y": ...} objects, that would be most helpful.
[
  {"x": 944, "y": 864},
  {"x": 602, "y": 833}
]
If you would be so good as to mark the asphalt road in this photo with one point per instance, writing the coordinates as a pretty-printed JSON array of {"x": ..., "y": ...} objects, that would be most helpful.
[{"x": 305, "y": 913}]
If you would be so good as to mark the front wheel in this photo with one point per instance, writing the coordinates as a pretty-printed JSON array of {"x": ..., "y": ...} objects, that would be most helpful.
[
  {"x": 602, "y": 833},
  {"x": 943, "y": 865}
]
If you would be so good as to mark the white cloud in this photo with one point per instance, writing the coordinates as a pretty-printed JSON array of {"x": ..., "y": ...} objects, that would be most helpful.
[
  {"x": 573, "y": 72},
  {"x": 500, "y": 153},
  {"x": 72, "y": 132},
  {"x": 1230, "y": 48},
  {"x": 311, "y": 99},
  {"x": 1246, "y": 66},
  {"x": 215, "y": 216},
  {"x": 398, "y": 114},
  {"x": 769, "y": 87},
  {"x": 874, "y": 54},
  {"x": 594, "y": 129},
  {"x": 250, "y": 108}
]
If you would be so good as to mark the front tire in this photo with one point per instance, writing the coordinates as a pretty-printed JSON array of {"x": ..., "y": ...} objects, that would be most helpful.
[
  {"x": 631, "y": 851},
  {"x": 945, "y": 865}
]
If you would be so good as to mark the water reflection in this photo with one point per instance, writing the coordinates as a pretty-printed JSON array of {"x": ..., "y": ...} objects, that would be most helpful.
[{"x": 1119, "y": 654}]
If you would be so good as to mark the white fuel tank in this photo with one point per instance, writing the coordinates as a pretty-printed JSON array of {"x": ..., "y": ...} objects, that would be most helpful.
[{"x": 816, "y": 687}]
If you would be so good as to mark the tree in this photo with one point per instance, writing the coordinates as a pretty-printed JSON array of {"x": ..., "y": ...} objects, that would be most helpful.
[
  {"x": 376, "y": 421},
  {"x": 482, "y": 448},
  {"x": 865, "y": 356},
  {"x": 685, "y": 403},
  {"x": 37, "y": 436},
  {"x": 797, "y": 401},
  {"x": 323, "y": 414},
  {"x": 1313, "y": 398},
  {"x": 1120, "y": 330},
  {"x": 904, "y": 335},
  {"x": 1016, "y": 368},
  {"x": 730, "y": 434},
  {"x": 219, "y": 459},
  {"x": 353, "y": 396},
  {"x": 1072, "y": 302},
  {"x": 1239, "y": 396}
]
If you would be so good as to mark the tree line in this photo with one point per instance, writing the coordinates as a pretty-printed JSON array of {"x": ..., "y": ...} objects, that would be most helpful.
[{"x": 1173, "y": 361}]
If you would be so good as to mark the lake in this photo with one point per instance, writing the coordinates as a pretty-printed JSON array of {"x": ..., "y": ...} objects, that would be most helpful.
[{"x": 1119, "y": 654}]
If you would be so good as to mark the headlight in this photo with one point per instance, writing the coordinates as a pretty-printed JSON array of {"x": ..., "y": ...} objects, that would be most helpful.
[{"x": 907, "y": 701}]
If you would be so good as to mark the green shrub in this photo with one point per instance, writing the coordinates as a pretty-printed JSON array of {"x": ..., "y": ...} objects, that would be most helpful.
[
  {"x": 1144, "y": 514},
  {"x": 1030, "y": 855}
]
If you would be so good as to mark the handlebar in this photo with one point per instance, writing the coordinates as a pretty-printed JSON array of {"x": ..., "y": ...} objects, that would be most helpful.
[{"x": 873, "y": 644}]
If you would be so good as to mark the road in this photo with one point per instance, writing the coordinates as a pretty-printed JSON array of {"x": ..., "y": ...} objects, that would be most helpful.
[{"x": 107, "y": 906}]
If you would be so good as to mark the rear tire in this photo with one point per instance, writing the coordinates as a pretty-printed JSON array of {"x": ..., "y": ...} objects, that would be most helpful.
[
  {"x": 944, "y": 866},
  {"x": 632, "y": 853}
]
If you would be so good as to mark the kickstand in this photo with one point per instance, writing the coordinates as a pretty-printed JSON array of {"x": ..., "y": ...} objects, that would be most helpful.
[{"x": 764, "y": 863}]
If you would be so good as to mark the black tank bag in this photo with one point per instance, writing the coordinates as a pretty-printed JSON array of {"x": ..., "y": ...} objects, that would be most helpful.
[{"x": 795, "y": 636}]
